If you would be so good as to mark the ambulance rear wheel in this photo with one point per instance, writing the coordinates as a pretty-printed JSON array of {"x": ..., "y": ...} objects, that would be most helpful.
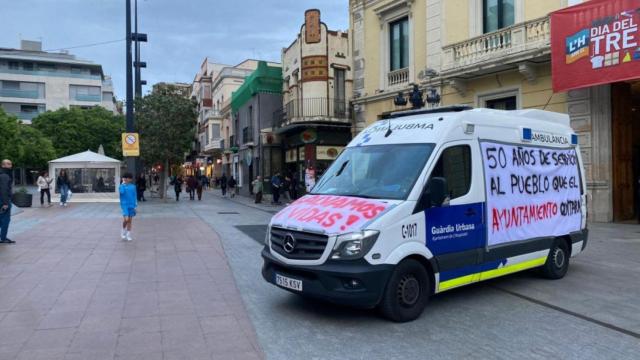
[
  {"x": 407, "y": 292},
  {"x": 557, "y": 263}
]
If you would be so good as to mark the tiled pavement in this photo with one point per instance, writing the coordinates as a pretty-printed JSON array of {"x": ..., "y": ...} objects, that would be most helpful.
[{"x": 71, "y": 289}]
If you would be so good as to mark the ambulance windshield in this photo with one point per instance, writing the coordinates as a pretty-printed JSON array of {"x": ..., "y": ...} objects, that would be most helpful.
[{"x": 377, "y": 171}]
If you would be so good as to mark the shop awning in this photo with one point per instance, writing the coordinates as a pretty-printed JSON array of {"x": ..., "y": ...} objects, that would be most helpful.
[{"x": 596, "y": 42}]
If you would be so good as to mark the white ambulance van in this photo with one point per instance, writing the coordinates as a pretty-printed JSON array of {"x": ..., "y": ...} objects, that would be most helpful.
[{"x": 431, "y": 200}]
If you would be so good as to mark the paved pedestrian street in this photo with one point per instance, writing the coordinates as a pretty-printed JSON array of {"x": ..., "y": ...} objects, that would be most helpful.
[
  {"x": 189, "y": 287},
  {"x": 71, "y": 289}
]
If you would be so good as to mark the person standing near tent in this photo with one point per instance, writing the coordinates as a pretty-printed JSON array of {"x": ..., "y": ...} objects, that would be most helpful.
[
  {"x": 6, "y": 191},
  {"x": 44, "y": 183},
  {"x": 62, "y": 184},
  {"x": 128, "y": 204}
]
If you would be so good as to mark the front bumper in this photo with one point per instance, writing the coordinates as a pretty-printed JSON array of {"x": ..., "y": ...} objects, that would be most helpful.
[{"x": 330, "y": 281}]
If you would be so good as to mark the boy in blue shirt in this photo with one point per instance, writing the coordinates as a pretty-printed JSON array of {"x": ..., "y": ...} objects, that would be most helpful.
[{"x": 128, "y": 204}]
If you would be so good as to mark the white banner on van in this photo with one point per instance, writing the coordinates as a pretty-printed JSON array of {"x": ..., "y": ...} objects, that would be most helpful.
[{"x": 531, "y": 192}]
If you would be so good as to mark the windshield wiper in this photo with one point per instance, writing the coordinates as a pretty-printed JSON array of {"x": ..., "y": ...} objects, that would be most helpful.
[
  {"x": 344, "y": 164},
  {"x": 358, "y": 195}
]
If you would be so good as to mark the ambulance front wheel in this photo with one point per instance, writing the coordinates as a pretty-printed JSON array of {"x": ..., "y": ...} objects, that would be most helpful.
[
  {"x": 557, "y": 263},
  {"x": 406, "y": 293}
]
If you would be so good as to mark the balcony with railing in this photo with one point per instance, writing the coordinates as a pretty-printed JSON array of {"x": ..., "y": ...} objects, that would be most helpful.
[
  {"x": 523, "y": 41},
  {"x": 88, "y": 97},
  {"x": 56, "y": 73},
  {"x": 214, "y": 144},
  {"x": 312, "y": 110},
  {"x": 398, "y": 77},
  {"x": 16, "y": 93}
]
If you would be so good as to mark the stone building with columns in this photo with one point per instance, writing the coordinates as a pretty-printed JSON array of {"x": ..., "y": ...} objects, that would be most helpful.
[{"x": 495, "y": 54}]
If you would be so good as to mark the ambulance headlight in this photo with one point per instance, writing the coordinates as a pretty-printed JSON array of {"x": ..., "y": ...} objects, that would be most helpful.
[
  {"x": 354, "y": 245},
  {"x": 267, "y": 236}
]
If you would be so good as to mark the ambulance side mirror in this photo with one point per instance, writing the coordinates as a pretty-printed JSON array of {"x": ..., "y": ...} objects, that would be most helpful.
[{"x": 437, "y": 190}]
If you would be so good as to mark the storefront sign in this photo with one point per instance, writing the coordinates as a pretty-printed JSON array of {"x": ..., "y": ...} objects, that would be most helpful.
[
  {"x": 328, "y": 152},
  {"x": 301, "y": 153},
  {"x": 130, "y": 144},
  {"x": 597, "y": 42},
  {"x": 291, "y": 156}
]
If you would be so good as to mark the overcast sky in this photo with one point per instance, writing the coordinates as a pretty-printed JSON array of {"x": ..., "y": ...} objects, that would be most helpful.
[{"x": 181, "y": 32}]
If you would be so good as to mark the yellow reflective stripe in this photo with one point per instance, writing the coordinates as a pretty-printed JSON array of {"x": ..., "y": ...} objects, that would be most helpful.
[
  {"x": 490, "y": 274},
  {"x": 446, "y": 285}
]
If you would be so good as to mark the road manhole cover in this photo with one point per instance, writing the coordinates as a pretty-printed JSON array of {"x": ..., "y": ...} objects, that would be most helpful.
[{"x": 228, "y": 213}]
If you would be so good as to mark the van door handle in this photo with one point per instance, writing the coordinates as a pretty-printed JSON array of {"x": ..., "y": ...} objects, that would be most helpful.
[{"x": 470, "y": 212}]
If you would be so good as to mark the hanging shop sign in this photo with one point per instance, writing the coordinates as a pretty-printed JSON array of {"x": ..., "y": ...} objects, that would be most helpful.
[
  {"x": 328, "y": 152},
  {"x": 309, "y": 136},
  {"x": 595, "y": 43}
]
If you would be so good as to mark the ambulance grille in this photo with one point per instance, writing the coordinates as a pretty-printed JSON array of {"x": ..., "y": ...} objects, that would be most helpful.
[{"x": 308, "y": 246}]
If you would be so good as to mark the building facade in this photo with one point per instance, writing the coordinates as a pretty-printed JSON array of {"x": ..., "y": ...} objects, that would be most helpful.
[
  {"x": 253, "y": 105},
  {"x": 495, "y": 54},
  {"x": 212, "y": 89},
  {"x": 314, "y": 123},
  {"x": 33, "y": 81}
]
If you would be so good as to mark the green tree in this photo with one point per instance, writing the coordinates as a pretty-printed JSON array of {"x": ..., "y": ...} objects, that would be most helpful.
[
  {"x": 24, "y": 145},
  {"x": 76, "y": 130},
  {"x": 9, "y": 126},
  {"x": 36, "y": 150},
  {"x": 165, "y": 121}
]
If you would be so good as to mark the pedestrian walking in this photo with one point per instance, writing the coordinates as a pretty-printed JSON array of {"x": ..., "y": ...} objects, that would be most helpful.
[
  {"x": 62, "y": 184},
  {"x": 141, "y": 186},
  {"x": 44, "y": 183},
  {"x": 232, "y": 186},
  {"x": 6, "y": 191},
  {"x": 293, "y": 188},
  {"x": 223, "y": 184},
  {"x": 177, "y": 186},
  {"x": 284, "y": 190},
  {"x": 258, "y": 188},
  {"x": 192, "y": 184},
  {"x": 128, "y": 204},
  {"x": 200, "y": 186},
  {"x": 276, "y": 183}
]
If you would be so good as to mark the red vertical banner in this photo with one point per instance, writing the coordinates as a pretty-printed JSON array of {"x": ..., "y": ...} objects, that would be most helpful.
[{"x": 597, "y": 42}]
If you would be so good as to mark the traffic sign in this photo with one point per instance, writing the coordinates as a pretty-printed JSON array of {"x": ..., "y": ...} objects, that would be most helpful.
[{"x": 130, "y": 144}]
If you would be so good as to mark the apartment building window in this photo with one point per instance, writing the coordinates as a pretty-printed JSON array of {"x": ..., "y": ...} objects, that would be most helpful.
[
  {"x": 497, "y": 14},
  {"x": 215, "y": 131},
  {"x": 85, "y": 93},
  {"x": 14, "y": 65},
  {"x": 503, "y": 100},
  {"x": 27, "y": 66},
  {"x": 46, "y": 67},
  {"x": 505, "y": 103},
  {"x": 399, "y": 44},
  {"x": 107, "y": 96},
  {"x": 76, "y": 70}
]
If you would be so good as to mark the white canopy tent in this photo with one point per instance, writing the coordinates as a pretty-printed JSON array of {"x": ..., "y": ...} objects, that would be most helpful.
[{"x": 93, "y": 177}]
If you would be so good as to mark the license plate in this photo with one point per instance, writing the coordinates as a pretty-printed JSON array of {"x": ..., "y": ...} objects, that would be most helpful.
[{"x": 288, "y": 282}]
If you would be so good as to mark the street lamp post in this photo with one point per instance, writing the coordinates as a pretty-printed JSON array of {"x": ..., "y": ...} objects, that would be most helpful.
[{"x": 131, "y": 161}]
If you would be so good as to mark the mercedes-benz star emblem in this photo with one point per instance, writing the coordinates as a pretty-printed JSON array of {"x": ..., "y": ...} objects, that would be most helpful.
[{"x": 289, "y": 243}]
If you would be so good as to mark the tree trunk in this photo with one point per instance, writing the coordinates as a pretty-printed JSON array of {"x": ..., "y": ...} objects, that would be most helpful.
[{"x": 164, "y": 180}]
